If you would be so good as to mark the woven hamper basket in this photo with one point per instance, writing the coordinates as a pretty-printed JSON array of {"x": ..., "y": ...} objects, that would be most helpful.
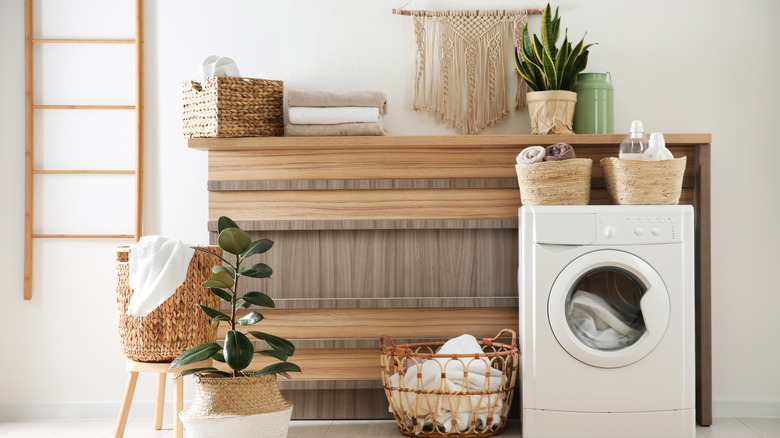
[
  {"x": 224, "y": 106},
  {"x": 442, "y": 407},
  {"x": 565, "y": 182},
  {"x": 636, "y": 182},
  {"x": 178, "y": 323}
]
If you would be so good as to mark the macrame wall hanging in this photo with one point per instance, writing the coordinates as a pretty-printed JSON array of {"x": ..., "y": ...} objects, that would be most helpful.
[{"x": 462, "y": 65}]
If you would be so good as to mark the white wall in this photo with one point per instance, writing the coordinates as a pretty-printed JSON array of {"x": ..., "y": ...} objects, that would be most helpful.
[{"x": 697, "y": 66}]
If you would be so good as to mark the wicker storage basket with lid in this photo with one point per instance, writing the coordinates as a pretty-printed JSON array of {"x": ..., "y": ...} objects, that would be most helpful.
[
  {"x": 637, "y": 182},
  {"x": 222, "y": 106},
  {"x": 178, "y": 323},
  {"x": 455, "y": 406},
  {"x": 565, "y": 182}
]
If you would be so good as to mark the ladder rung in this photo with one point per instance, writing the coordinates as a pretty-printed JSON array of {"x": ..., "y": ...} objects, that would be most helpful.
[
  {"x": 83, "y": 236},
  {"x": 80, "y": 41},
  {"x": 84, "y": 172},
  {"x": 101, "y": 107}
]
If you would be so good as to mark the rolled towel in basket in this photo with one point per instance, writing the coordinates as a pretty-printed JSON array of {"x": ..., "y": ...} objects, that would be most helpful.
[
  {"x": 531, "y": 155},
  {"x": 558, "y": 152}
]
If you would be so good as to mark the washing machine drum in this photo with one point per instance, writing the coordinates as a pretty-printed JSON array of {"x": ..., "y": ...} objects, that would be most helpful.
[{"x": 608, "y": 308}]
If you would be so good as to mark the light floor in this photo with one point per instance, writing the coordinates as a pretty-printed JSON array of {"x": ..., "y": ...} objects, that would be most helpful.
[{"x": 723, "y": 428}]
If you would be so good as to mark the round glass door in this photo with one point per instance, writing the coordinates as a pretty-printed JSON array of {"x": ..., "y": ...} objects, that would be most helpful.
[{"x": 608, "y": 308}]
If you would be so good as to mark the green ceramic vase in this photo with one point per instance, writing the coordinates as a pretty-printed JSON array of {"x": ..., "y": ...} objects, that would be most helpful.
[{"x": 594, "y": 113}]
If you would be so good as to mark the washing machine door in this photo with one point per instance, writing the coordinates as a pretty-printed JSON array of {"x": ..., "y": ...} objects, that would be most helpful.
[{"x": 608, "y": 308}]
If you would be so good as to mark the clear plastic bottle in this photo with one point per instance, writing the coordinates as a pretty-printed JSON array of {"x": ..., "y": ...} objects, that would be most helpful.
[
  {"x": 635, "y": 144},
  {"x": 657, "y": 150}
]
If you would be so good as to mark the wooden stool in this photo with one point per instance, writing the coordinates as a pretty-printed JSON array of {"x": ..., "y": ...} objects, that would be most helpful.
[{"x": 161, "y": 368}]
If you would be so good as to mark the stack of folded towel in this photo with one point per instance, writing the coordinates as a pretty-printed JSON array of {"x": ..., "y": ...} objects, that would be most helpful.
[
  {"x": 536, "y": 154},
  {"x": 326, "y": 113}
]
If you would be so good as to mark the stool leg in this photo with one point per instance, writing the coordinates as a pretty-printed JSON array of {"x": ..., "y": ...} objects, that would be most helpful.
[
  {"x": 159, "y": 405},
  {"x": 178, "y": 406},
  {"x": 121, "y": 422}
]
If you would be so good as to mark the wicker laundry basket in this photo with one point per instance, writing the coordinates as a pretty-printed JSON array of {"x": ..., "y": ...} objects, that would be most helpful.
[
  {"x": 232, "y": 107},
  {"x": 637, "y": 182},
  {"x": 473, "y": 399},
  {"x": 565, "y": 182},
  {"x": 178, "y": 323}
]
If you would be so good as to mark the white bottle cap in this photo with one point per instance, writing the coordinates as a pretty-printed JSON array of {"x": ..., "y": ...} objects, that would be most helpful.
[
  {"x": 636, "y": 129},
  {"x": 657, "y": 139}
]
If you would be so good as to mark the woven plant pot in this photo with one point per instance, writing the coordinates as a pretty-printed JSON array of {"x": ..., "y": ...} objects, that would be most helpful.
[
  {"x": 232, "y": 107},
  {"x": 178, "y": 323},
  {"x": 637, "y": 182},
  {"x": 551, "y": 112},
  {"x": 565, "y": 182},
  {"x": 237, "y": 407}
]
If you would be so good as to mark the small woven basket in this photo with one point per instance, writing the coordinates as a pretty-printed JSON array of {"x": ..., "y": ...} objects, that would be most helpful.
[
  {"x": 224, "y": 106},
  {"x": 178, "y": 323},
  {"x": 637, "y": 182},
  {"x": 565, "y": 182},
  {"x": 455, "y": 406}
]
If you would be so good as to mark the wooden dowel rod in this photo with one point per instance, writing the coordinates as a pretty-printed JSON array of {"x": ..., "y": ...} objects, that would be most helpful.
[
  {"x": 409, "y": 12},
  {"x": 99, "y": 107},
  {"x": 82, "y": 236},
  {"x": 139, "y": 119},
  {"x": 28, "y": 149},
  {"x": 84, "y": 172},
  {"x": 79, "y": 41}
]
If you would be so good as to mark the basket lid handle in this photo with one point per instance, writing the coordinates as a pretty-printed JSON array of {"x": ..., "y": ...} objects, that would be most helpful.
[
  {"x": 384, "y": 338},
  {"x": 503, "y": 332}
]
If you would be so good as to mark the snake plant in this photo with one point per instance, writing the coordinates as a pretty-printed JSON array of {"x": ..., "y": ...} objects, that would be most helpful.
[{"x": 545, "y": 67}]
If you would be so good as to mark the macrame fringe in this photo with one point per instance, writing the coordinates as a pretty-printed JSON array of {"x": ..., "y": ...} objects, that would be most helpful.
[{"x": 461, "y": 65}]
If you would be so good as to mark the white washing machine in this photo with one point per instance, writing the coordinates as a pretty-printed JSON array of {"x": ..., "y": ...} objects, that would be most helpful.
[{"x": 607, "y": 321}]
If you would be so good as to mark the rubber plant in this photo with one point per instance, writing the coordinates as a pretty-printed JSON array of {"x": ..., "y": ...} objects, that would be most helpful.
[
  {"x": 238, "y": 350},
  {"x": 546, "y": 67}
]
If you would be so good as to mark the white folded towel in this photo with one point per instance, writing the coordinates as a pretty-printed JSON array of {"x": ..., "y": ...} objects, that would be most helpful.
[
  {"x": 531, "y": 155},
  {"x": 216, "y": 66},
  {"x": 158, "y": 266},
  {"x": 603, "y": 325},
  {"x": 309, "y": 115}
]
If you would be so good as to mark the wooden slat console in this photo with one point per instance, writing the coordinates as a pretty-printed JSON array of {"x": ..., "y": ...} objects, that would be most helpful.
[{"x": 410, "y": 236}]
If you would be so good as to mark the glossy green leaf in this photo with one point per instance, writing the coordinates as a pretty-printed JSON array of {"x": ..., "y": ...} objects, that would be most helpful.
[
  {"x": 259, "y": 299},
  {"x": 238, "y": 350},
  {"x": 227, "y": 268},
  {"x": 551, "y": 75},
  {"x": 234, "y": 240},
  {"x": 225, "y": 295},
  {"x": 250, "y": 318},
  {"x": 219, "y": 357},
  {"x": 282, "y": 367},
  {"x": 273, "y": 353},
  {"x": 195, "y": 354},
  {"x": 260, "y": 270},
  {"x": 219, "y": 280},
  {"x": 548, "y": 31},
  {"x": 225, "y": 222},
  {"x": 202, "y": 370},
  {"x": 258, "y": 247},
  {"x": 275, "y": 342},
  {"x": 215, "y": 314},
  {"x": 242, "y": 304}
]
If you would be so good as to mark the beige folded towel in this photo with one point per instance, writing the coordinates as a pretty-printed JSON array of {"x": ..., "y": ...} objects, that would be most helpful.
[
  {"x": 376, "y": 99},
  {"x": 309, "y": 115},
  {"x": 343, "y": 129}
]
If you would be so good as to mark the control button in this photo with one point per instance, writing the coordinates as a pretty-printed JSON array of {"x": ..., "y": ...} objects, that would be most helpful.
[
  {"x": 639, "y": 231},
  {"x": 610, "y": 231},
  {"x": 656, "y": 231}
]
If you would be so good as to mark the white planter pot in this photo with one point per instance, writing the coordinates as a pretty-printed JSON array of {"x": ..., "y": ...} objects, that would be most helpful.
[
  {"x": 270, "y": 425},
  {"x": 551, "y": 112}
]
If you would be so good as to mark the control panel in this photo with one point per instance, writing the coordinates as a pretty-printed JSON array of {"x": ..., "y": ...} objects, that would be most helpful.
[{"x": 637, "y": 229}]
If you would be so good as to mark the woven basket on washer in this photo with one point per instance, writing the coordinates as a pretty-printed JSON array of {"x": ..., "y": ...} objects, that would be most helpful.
[
  {"x": 224, "y": 106},
  {"x": 425, "y": 409},
  {"x": 637, "y": 182},
  {"x": 178, "y": 323},
  {"x": 565, "y": 182}
]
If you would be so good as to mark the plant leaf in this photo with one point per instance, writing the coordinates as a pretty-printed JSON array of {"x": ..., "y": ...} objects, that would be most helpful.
[
  {"x": 259, "y": 299},
  {"x": 225, "y": 222},
  {"x": 273, "y": 353},
  {"x": 218, "y": 357},
  {"x": 250, "y": 318},
  {"x": 214, "y": 313},
  {"x": 195, "y": 354},
  {"x": 282, "y": 367},
  {"x": 258, "y": 247},
  {"x": 242, "y": 304},
  {"x": 551, "y": 75},
  {"x": 234, "y": 240},
  {"x": 275, "y": 342},
  {"x": 260, "y": 270},
  {"x": 219, "y": 280},
  {"x": 238, "y": 350},
  {"x": 201, "y": 370},
  {"x": 225, "y": 295},
  {"x": 549, "y": 37},
  {"x": 227, "y": 268}
]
